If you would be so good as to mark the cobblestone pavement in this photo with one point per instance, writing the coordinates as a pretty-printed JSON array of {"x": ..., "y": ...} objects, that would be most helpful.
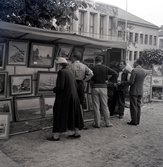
[{"x": 119, "y": 146}]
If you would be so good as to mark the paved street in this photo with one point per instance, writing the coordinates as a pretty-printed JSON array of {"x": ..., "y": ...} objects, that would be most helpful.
[{"x": 119, "y": 146}]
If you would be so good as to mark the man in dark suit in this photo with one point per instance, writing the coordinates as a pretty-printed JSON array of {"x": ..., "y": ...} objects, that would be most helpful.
[
  {"x": 138, "y": 75},
  {"x": 120, "y": 91}
]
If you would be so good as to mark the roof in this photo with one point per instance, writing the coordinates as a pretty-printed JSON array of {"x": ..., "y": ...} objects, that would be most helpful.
[
  {"x": 121, "y": 14},
  {"x": 15, "y": 31}
]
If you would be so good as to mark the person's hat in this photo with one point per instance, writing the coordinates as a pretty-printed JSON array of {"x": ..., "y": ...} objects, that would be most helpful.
[{"x": 61, "y": 60}]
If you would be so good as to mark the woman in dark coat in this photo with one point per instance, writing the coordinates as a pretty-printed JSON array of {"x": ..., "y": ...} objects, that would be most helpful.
[{"x": 67, "y": 113}]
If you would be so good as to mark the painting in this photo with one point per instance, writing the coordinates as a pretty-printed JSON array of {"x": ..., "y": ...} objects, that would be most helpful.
[
  {"x": 156, "y": 93},
  {"x": 2, "y": 55},
  {"x": 4, "y": 125},
  {"x": 21, "y": 84},
  {"x": 157, "y": 81},
  {"x": 3, "y": 84},
  {"x": 90, "y": 102},
  {"x": 49, "y": 102},
  {"x": 85, "y": 103},
  {"x": 6, "y": 106},
  {"x": 157, "y": 70},
  {"x": 29, "y": 107},
  {"x": 46, "y": 81},
  {"x": 17, "y": 52},
  {"x": 146, "y": 89},
  {"x": 41, "y": 55},
  {"x": 64, "y": 51}
]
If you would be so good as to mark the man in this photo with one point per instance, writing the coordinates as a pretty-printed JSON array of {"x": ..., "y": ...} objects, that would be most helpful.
[
  {"x": 82, "y": 74},
  {"x": 99, "y": 90},
  {"x": 121, "y": 90},
  {"x": 138, "y": 75}
]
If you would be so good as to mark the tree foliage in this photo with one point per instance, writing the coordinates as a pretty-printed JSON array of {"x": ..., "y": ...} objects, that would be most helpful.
[
  {"x": 39, "y": 13},
  {"x": 151, "y": 57}
]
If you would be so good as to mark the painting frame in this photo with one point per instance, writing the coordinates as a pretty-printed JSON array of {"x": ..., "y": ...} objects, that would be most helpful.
[
  {"x": 17, "y": 52},
  {"x": 46, "y": 81},
  {"x": 3, "y": 84},
  {"x": 156, "y": 93},
  {"x": 6, "y": 105},
  {"x": 64, "y": 50},
  {"x": 2, "y": 55},
  {"x": 41, "y": 55},
  {"x": 4, "y": 125},
  {"x": 21, "y": 84},
  {"x": 48, "y": 104},
  {"x": 29, "y": 108},
  {"x": 157, "y": 70},
  {"x": 157, "y": 80}
]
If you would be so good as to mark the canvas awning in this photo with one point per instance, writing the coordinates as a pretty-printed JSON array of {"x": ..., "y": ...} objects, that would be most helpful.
[{"x": 15, "y": 31}]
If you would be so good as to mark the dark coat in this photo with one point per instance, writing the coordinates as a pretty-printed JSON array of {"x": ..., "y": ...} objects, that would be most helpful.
[{"x": 66, "y": 111}]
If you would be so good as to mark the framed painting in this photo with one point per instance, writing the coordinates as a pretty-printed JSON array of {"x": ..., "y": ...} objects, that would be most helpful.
[
  {"x": 21, "y": 84},
  {"x": 3, "y": 84},
  {"x": 85, "y": 103},
  {"x": 2, "y": 55},
  {"x": 46, "y": 81},
  {"x": 157, "y": 70},
  {"x": 49, "y": 102},
  {"x": 4, "y": 125},
  {"x": 64, "y": 51},
  {"x": 90, "y": 102},
  {"x": 156, "y": 93},
  {"x": 157, "y": 81},
  {"x": 41, "y": 55},
  {"x": 17, "y": 52},
  {"x": 29, "y": 107},
  {"x": 6, "y": 106}
]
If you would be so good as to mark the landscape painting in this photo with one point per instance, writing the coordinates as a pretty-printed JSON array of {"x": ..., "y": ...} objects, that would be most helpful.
[
  {"x": 7, "y": 107},
  {"x": 41, "y": 55},
  {"x": 157, "y": 81},
  {"x": 157, "y": 70},
  {"x": 4, "y": 125},
  {"x": 17, "y": 52},
  {"x": 2, "y": 55},
  {"x": 156, "y": 93},
  {"x": 49, "y": 102},
  {"x": 64, "y": 51},
  {"x": 28, "y": 108},
  {"x": 46, "y": 81},
  {"x": 20, "y": 84}
]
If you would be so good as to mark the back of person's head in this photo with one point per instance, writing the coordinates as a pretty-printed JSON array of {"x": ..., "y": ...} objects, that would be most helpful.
[
  {"x": 139, "y": 62},
  {"x": 76, "y": 55},
  {"x": 98, "y": 59}
]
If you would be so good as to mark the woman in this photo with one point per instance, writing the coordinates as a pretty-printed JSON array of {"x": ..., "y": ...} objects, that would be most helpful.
[{"x": 66, "y": 111}]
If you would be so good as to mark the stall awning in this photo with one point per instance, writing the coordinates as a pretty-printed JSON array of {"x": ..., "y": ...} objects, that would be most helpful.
[{"x": 15, "y": 31}]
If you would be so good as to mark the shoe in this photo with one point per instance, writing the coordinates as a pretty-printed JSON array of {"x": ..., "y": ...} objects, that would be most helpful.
[
  {"x": 74, "y": 136},
  {"x": 95, "y": 126},
  {"x": 130, "y": 123},
  {"x": 53, "y": 139},
  {"x": 120, "y": 117},
  {"x": 110, "y": 125}
]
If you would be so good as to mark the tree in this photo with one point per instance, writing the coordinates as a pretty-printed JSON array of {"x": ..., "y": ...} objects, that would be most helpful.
[
  {"x": 151, "y": 57},
  {"x": 40, "y": 13}
]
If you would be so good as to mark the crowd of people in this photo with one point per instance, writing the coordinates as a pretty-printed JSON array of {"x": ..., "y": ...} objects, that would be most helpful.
[{"x": 67, "y": 109}]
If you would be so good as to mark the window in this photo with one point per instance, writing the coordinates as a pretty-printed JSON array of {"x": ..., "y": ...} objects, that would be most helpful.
[
  {"x": 130, "y": 55},
  {"x": 146, "y": 39},
  {"x": 91, "y": 28},
  {"x": 136, "y": 38},
  {"x": 131, "y": 37},
  {"x": 141, "y": 38},
  {"x": 81, "y": 22},
  {"x": 150, "y": 40},
  {"x": 135, "y": 55},
  {"x": 155, "y": 38},
  {"x": 101, "y": 27}
]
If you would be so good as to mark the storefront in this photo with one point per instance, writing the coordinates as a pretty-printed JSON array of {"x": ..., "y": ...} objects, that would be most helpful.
[{"x": 28, "y": 71}]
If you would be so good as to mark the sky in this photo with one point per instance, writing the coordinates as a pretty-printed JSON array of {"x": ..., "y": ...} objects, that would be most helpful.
[{"x": 149, "y": 10}]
